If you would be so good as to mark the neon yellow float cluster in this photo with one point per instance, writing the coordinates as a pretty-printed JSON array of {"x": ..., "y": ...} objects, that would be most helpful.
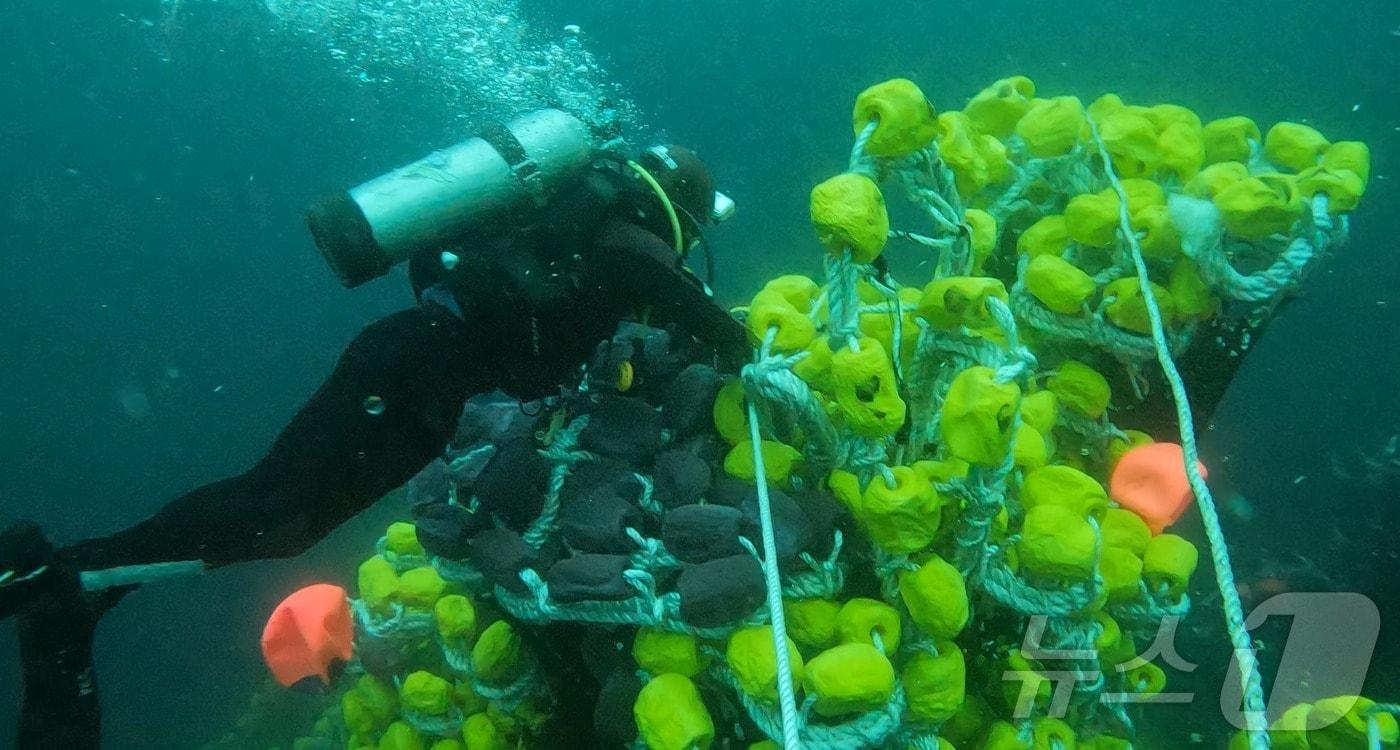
[{"x": 965, "y": 421}]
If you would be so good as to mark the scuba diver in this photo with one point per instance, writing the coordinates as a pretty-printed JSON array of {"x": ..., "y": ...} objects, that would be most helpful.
[{"x": 526, "y": 247}]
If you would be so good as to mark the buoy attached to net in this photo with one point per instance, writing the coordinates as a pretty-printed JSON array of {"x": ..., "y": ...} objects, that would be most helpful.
[
  {"x": 309, "y": 637},
  {"x": 1151, "y": 481}
]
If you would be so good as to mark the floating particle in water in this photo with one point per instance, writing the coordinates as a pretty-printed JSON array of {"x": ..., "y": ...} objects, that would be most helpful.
[
  {"x": 135, "y": 403},
  {"x": 374, "y": 405},
  {"x": 1239, "y": 507},
  {"x": 572, "y": 29}
]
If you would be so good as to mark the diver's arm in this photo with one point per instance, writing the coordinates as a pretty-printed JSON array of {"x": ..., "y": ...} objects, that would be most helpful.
[
  {"x": 641, "y": 267},
  {"x": 335, "y": 458}
]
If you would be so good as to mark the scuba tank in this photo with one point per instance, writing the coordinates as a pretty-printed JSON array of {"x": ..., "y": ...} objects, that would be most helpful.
[{"x": 365, "y": 231}]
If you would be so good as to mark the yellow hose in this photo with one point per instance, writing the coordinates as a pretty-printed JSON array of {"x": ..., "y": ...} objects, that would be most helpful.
[{"x": 665, "y": 202}]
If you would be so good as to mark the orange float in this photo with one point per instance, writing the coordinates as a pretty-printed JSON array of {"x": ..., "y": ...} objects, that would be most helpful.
[
  {"x": 1151, "y": 481},
  {"x": 307, "y": 635}
]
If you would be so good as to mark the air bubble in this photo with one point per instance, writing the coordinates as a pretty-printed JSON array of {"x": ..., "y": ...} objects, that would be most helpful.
[
  {"x": 374, "y": 406},
  {"x": 465, "y": 48}
]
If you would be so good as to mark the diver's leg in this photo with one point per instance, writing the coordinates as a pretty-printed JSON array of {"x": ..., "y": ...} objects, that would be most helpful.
[{"x": 389, "y": 408}]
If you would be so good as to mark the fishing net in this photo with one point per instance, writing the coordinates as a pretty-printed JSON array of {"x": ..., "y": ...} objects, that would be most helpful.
[{"x": 958, "y": 564}]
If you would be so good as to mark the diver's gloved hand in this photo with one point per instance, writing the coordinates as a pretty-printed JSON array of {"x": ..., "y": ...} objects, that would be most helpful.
[{"x": 29, "y": 569}]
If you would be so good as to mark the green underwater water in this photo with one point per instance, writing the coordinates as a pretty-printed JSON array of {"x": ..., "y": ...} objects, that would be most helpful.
[{"x": 158, "y": 158}]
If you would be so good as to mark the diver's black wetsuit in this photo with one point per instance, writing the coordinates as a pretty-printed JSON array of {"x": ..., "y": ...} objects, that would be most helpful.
[
  {"x": 521, "y": 310},
  {"x": 533, "y": 306}
]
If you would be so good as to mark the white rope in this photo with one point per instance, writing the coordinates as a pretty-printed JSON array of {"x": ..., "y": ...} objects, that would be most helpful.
[
  {"x": 563, "y": 453},
  {"x": 1256, "y": 726},
  {"x": 1373, "y": 727},
  {"x": 941, "y": 244},
  {"x": 1091, "y": 330},
  {"x": 896, "y": 310},
  {"x": 860, "y": 163},
  {"x": 1017, "y": 360},
  {"x": 843, "y": 301},
  {"x": 1257, "y": 287},
  {"x": 787, "y": 702},
  {"x": 400, "y": 626},
  {"x": 1285, "y": 272},
  {"x": 774, "y": 382},
  {"x": 446, "y": 724}
]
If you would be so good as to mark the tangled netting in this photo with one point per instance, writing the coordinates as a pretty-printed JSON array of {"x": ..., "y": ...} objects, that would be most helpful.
[
  {"x": 484, "y": 56},
  {"x": 956, "y": 567}
]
